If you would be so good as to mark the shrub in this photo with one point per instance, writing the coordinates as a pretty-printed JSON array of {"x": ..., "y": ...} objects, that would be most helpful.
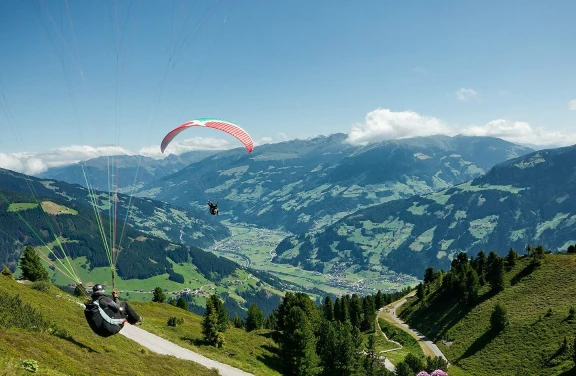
[
  {"x": 30, "y": 365},
  {"x": 499, "y": 318},
  {"x": 42, "y": 286}
]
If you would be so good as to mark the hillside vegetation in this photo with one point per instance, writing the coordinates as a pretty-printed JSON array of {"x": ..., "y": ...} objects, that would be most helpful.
[
  {"x": 300, "y": 185},
  {"x": 529, "y": 199},
  {"x": 152, "y": 217},
  {"x": 45, "y": 330},
  {"x": 539, "y": 298}
]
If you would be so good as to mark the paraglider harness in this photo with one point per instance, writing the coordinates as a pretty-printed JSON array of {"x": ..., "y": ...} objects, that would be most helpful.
[
  {"x": 213, "y": 207},
  {"x": 100, "y": 322}
]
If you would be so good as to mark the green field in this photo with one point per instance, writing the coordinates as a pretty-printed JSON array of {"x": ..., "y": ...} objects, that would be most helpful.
[
  {"x": 19, "y": 206},
  {"x": 254, "y": 247}
]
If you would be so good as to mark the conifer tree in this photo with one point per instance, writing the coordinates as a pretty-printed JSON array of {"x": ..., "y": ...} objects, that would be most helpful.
[
  {"x": 182, "y": 303},
  {"x": 298, "y": 347},
  {"x": 420, "y": 292},
  {"x": 221, "y": 311},
  {"x": 369, "y": 313},
  {"x": 31, "y": 266},
  {"x": 379, "y": 300},
  {"x": 210, "y": 324},
  {"x": 355, "y": 311},
  {"x": 511, "y": 259},
  {"x": 338, "y": 310},
  {"x": 328, "y": 309},
  {"x": 238, "y": 322},
  {"x": 499, "y": 318},
  {"x": 158, "y": 295},
  {"x": 429, "y": 276},
  {"x": 255, "y": 318}
]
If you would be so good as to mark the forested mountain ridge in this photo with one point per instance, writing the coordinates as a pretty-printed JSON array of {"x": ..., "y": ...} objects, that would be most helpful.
[
  {"x": 529, "y": 199},
  {"x": 177, "y": 224},
  {"x": 300, "y": 185}
]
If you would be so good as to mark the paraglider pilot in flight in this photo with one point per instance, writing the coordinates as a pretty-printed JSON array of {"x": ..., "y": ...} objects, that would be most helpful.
[
  {"x": 107, "y": 316},
  {"x": 213, "y": 207}
]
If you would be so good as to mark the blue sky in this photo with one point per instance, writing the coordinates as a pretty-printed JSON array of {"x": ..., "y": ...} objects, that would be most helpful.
[{"x": 84, "y": 73}]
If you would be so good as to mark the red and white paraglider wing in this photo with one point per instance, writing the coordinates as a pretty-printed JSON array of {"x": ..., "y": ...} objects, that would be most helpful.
[{"x": 221, "y": 125}]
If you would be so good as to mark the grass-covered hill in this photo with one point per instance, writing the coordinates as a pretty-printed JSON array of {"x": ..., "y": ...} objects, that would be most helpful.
[
  {"x": 45, "y": 329},
  {"x": 541, "y": 312},
  {"x": 143, "y": 262},
  {"x": 192, "y": 227},
  {"x": 300, "y": 185},
  {"x": 132, "y": 171},
  {"x": 530, "y": 199}
]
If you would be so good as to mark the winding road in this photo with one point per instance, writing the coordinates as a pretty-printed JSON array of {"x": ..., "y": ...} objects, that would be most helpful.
[{"x": 428, "y": 346}]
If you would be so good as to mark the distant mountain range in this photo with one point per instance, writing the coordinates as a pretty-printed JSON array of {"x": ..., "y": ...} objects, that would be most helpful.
[
  {"x": 300, "y": 185},
  {"x": 525, "y": 200},
  {"x": 127, "y": 172}
]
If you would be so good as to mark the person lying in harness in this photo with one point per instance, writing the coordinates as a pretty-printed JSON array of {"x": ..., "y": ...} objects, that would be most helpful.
[
  {"x": 107, "y": 316},
  {"x": 213, "y": 207}
]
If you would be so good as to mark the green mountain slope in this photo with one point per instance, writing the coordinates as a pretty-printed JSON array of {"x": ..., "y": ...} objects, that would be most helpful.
[
  {"x": 128, "y": 172},
  {"x": 300, "y": 185},
  {"x": 538, "y": 302},
  {"x": 144, "y": 261},
  {"x": 48, "y": 327},
  {"x": 156, "y": 218},
  {"x": 529, "y": 199}
]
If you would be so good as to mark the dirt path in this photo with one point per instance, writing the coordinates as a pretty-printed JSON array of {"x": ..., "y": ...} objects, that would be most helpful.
[
  {"x": 429, "y": 347},
  {"x": 161, "y": 346}
]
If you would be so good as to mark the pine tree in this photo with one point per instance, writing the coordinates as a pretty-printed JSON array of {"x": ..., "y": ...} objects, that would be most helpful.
[
  {"x": 379, "y": 300},
  {"x": 328, "y": 309},
  {"x": 210, "y": 324},
  {"x": 238, "y": 322},
  {"x": 429, "y": 276},
  {"x": 371, "y": 358},
  {"x": 159, "y": 295},
  {"x": 221, "y": 311},
  {"x": 420, "y": 292},
  {"x": 182, "y": 303},
  {"x": 499, "y": 318},
  {"x": 511, "y": 259},
  {"x": 403, "y": 369},
  {"x": 338, "y": 310},
  {"x": 355, "y": 311},
  {"x": 298, "y": 344},
  {"x": 255, "y": 318},
  {"x": 472, "y": 286},
  {"x": 369, "y": 314},
  {"x": 31, "y": 266},
  {"x": 481, "y": 261},
  {"x": 495, "y": 272}
]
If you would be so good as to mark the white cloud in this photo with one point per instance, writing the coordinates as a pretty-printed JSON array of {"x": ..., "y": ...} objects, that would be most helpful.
[
  {"x": 521, "y": 132},
  {"x": 466, "y": 95},
  {"x": 384, "y": 124},
  {"x": 572, "y": 105},
  {"x": 420, "y": 70},
  {"x": 35, "y": 163}
]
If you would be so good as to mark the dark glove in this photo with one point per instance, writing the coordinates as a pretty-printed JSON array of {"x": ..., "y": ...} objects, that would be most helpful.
[{"x": 115, "y": 296}]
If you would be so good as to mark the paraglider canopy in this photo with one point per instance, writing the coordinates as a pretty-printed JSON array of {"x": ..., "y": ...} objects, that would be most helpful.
[{"x": 219, "y": 124}]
